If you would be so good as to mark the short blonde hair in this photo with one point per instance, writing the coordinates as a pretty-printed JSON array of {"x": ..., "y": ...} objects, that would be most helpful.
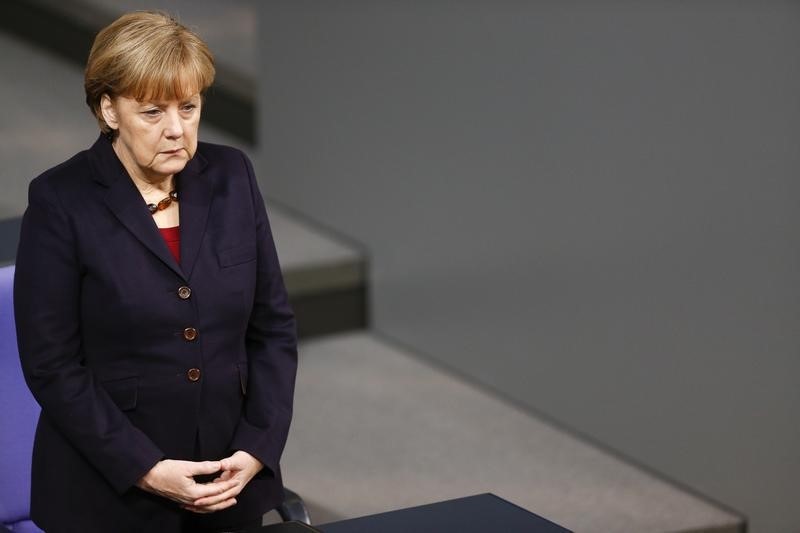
[{"x": 146, "y": 55}]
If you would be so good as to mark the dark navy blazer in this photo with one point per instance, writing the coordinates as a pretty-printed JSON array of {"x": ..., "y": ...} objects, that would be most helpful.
[{"x": 101, "y": 330}]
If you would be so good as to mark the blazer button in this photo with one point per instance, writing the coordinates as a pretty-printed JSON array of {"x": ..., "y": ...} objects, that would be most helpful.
[
  {"x": 193, "y": 374},
  {"x": 184, "y": 292},
  {"x": 190, "y": 334}
]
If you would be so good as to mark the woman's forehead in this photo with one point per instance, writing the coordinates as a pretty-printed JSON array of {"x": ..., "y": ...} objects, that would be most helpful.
[{"x": 167, "y": 85}]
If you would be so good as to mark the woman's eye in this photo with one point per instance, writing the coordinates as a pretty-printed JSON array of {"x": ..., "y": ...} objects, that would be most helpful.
[
  {"x": 189, "y": 107},
  {"x": 152, "y": 112}
]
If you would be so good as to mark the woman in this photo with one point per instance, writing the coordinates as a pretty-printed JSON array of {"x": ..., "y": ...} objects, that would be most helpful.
[{"x": 152, "y": 319}]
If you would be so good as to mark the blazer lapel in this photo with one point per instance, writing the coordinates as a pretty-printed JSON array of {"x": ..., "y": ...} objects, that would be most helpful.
[
  {"x": 125, "y": 203},
  {"x": 194, "y": 200}
]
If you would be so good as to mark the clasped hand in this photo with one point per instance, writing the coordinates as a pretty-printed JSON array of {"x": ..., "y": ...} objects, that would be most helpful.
[{"x": 175, "y": 480}]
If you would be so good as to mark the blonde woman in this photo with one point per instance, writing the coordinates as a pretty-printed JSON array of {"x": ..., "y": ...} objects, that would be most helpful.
[{"x": 153, "y": 323}]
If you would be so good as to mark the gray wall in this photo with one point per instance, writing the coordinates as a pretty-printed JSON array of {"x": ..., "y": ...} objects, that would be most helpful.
[{"x": 591, "y": 206}]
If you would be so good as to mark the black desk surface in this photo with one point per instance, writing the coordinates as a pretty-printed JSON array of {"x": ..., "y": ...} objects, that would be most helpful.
[{"x": 484, "y": 513}]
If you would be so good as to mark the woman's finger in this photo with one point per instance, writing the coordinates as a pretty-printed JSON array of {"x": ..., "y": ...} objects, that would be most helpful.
[
  {"x": 217, "y": 498},
  {"x": 211, "y": 509},
  {"x": 205, "y": 490},
  {"x": 224, "y": 476}
]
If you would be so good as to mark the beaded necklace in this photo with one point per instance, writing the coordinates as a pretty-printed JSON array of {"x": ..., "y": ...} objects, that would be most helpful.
[{"x": 163, "y": 204}]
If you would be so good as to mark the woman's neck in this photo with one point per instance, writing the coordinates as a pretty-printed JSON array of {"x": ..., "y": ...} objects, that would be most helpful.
[{"x": 146, "y": 187}]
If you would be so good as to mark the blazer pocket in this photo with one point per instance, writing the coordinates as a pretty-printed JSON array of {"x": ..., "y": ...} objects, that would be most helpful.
[
  {"x": 238, "y": 255},
  {"x": 124, "y": 392},
  {"x": 243, "y": 377}
]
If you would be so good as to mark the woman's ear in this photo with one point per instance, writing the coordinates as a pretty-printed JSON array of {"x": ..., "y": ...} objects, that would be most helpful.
[{"x": 109, "y": 112}]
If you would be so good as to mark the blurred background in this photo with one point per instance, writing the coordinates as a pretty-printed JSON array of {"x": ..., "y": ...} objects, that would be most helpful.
[{"x": 543, "y": 249}]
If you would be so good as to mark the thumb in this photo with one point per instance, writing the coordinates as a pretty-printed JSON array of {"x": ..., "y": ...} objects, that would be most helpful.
[{"x": 204, "y": 467}]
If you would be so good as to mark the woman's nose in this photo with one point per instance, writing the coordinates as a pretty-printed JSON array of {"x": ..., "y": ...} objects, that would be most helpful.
[{"x": 173, "y": 127}]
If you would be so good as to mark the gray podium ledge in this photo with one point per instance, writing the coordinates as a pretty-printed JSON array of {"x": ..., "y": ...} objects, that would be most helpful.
[
  {"x": 326, "y": 275},
  {"x": 311, "y": 259},
  {"x": 378, "y": 428}
]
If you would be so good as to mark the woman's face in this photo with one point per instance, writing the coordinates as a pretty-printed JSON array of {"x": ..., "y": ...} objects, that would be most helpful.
[{"x": 156, "y": 139}]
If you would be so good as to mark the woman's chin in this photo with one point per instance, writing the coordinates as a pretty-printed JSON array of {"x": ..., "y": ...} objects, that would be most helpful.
[{"x": 172, "y": 166}]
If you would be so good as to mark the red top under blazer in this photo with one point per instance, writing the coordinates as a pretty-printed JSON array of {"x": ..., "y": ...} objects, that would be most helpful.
[{"x": 135, "y": 358}]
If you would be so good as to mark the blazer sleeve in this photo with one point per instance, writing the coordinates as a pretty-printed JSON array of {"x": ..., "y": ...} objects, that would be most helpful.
[
  {"x": 271, "y": 343},
  {"x": 47, "y": 301}
]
